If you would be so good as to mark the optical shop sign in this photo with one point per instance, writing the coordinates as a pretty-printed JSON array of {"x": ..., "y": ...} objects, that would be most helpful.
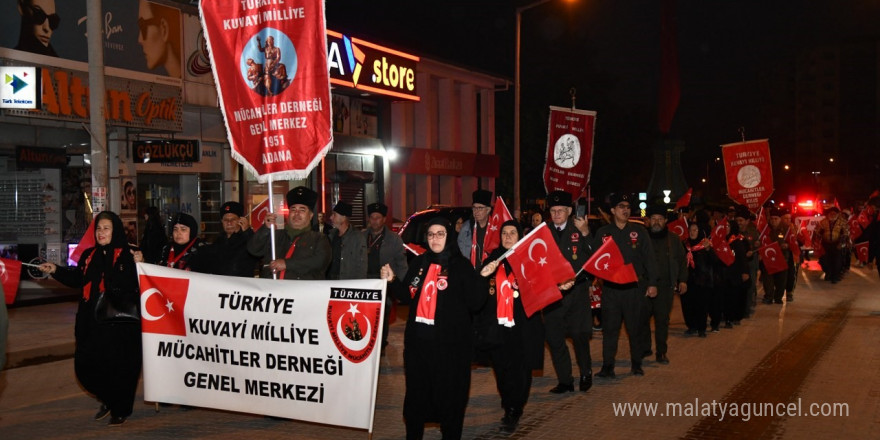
[{"x": 305, "y": 350}]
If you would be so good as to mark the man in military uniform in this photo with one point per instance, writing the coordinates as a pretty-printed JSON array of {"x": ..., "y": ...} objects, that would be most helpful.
[
  {"x": 672, "y": 269},
  {"x": 347, "y": 246},
  {"x": 472, "y": 237},
  {"x": 302, "y": 254},
  {"x": 570, "y": 316},
  {"x": 624, "y": 303},
  {"x": 383, "y": 247}
]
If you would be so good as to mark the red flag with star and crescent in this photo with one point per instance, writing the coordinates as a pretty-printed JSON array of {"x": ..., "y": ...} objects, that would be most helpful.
[
  {"x": 679, "y": 227},
  {"x": 163, "y": 301},
  {"x": 539, "y": 267},
  {"x": 862, "y": 251},
  {"x": 607, "y": 263},
  {"x": 500, "y": 214},
  {"x": 772, "y": 257},
  {"x": 791, "y": 239},
  {"x": 721, "y": 246},
  {"x": 685, "y": 200},
  {"x": 270, "y": 66},
  {"x": 258, "y": 214},
  {"x": 10, "y": 276}
]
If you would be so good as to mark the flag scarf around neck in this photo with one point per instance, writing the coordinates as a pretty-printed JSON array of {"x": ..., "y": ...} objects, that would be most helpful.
[
  {"x": 505, "y": 284},
  {"x": 749, "y": 173},
  {"x": 270, "y": 67},
  {"x": 427, "y": 305},
  {"x": 539, "y": 267},
  {"x": 500, "y": 214},
  {"x": 569, "y": 150},
  {"x": 607, "y": 263}
]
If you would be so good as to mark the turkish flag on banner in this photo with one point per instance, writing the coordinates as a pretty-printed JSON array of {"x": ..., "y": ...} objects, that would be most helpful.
[
  {"x": 10, "y": 277},
  {"x": 258, "y": 214},
  {"x": 539, "y": 267},
  {"x": 721, "y": 246},
  {"x": 749, "y": 174},
  {"x": 270, "y": 66},
  {"x": 87, "y": 241},
  {"x": 500, "y": 214},
  {"x": 679, "y": 227},
  {"x": 607, "y": 263},
  {"x": 684, "y": 200},
  {"x": 163, "y": 304},
  {"x": 774, "y": 260},
  {"x": 569, "y": 150},
  {"x": 862, "y": 251}
]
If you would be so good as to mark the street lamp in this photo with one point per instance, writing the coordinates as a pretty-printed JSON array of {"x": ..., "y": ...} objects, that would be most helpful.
[{"x": 516, "y": 171}]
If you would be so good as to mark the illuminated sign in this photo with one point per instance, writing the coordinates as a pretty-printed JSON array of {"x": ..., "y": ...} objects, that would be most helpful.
[
  {"x": 20, "y": 88},
  {"x": 130, "y": 103},
  {"x": 40, "y": 157},
  {"x": 165, "y": 151},
  {"x": 370, "y": 67}
]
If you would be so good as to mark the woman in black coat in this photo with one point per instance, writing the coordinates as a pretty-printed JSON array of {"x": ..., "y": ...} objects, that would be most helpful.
[
  {"x": 107, "y": 359},
  {"x": 515, "y": 342},
  {"x": 182, "y": 252},
  {"x": 701, "y": 263},
  {"x": 442, "y": 290}
]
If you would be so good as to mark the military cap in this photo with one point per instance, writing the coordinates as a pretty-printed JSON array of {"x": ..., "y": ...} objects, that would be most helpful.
[
  {"x": 483, "y": 197},
  {"x": 232, "y": 208},
  {"x": 377, "y": 207},
  {"x": 342, "y": 208},
  {"x": 558, "y": 198},
  {"x": 302, "y": 196}
]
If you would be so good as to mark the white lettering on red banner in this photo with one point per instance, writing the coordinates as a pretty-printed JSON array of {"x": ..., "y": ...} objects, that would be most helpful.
[
  {"x": 569, "y": 150},
  {"x": 749, "y": 174},
  {"x": 270, "y": 67}
]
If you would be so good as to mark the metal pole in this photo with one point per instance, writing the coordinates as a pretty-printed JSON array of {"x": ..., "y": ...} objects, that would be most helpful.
[{"x": 98, "y": 128}]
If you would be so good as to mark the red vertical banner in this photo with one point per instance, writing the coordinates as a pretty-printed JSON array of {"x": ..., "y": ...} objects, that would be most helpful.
[
  {"x": 569, "y": 150},
  {"x": 749, "y": 174},
  {"x": 270, "y": 68}
]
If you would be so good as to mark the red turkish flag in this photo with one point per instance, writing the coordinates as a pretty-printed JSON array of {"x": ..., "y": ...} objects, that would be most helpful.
[
  {"x": 500, "y": 214},
  {"x": 764, "y": 236},
  {"x": 685, "y": 200},
  {"x": 722, "y": 247},
  {"x": 679, "y": 227},
  {"x": 804, "y": 234},
  {"x": 864, "y": 217},
  {"x": 719, "y": 232},
  {"x": 791, "y": 239},
  {"x": 569, "y": 150},
  {"x": 163, "y": 301},
  {"x": 607, "y": 263},
  {"x": 774, "y": 260},
  {"x": 258, "y": 214},
  {"x": 862, "y": 251},
  {"x": 414, "y": 248},
  {"x": 855, "y": 230},
  {"x": 87, "y": 241},
  {"x": 539, "y": 267},
  {"x": 749, "y": 173},
  {"x": 761, "y": 219},
  {"x": 270, "y": 66},
  {"x": 10, "y": 277}
]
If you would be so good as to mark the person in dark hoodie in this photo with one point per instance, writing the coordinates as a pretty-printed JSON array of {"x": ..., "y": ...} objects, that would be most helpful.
[
  {"x": 107, "y": 358},
  {"x": 228, "y": 254},
  {"x": 443, "y": 291},
  {"x": 182, "y": 252}
]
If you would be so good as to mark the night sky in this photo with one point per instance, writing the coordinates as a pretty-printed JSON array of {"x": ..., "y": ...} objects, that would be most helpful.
[{"x": 609, "y": 51}]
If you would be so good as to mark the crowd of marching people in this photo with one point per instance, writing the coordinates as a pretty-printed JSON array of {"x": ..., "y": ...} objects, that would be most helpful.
[{"x": 469, "y": 299}]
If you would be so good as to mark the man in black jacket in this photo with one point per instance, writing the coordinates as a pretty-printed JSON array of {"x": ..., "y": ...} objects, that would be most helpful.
[{"x": 228, "y": 254}]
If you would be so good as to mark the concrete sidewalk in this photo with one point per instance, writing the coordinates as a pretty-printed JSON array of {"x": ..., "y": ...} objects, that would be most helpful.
[{"x": 42, "y": 400}]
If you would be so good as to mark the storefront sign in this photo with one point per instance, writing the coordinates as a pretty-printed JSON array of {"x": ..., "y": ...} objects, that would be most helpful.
[
  {"x": 130, "y": 103},
  {"x": 444, "y": 163},
  {"x": 40, "y": 157},
  {"x": 20, "y": 87},
  {"x": 165, "y": 151},
  {"x": 370, "y": 67}
]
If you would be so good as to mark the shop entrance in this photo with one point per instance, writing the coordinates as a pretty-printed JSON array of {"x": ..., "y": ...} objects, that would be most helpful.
[{"x": 198, "y": 195}]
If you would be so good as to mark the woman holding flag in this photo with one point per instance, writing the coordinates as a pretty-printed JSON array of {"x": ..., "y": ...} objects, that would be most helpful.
[
  {"x": 107, "y": 359},
  {"x": 517, "y": 340},
  {"x": 443, "y": 291}
]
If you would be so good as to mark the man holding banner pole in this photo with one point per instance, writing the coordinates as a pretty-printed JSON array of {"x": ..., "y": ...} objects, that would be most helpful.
[{"x": 306, "y": 253}]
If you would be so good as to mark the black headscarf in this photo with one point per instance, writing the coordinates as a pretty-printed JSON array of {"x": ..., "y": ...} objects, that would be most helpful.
[
  {"x": 450, "y": 248},
  {"x": 700, "y": 236},
  {"x": 188, "y": 221},
  {"x": 101, "y": 260},
  {"x": 500, "y": 250}
]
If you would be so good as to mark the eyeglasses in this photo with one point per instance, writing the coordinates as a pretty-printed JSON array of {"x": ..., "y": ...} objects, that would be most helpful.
[
  {"x": 38, "y": 16},
  {"x": 479, "y": 208},
  {"x": 144, "y": 23},
  {"x": 433, "y": 235}
]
